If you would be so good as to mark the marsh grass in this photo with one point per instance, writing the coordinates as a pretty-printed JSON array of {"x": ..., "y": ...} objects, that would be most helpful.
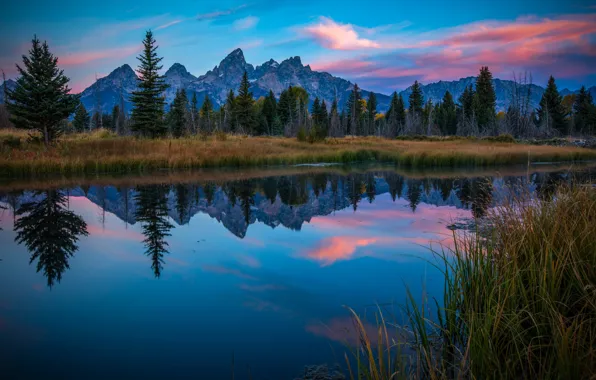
[
  {"x": 102, "y": 152},
  {"x": 518, "y": 303}
]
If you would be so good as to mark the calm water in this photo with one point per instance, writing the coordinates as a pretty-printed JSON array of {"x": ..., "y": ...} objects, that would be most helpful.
[{"x": 180, "y": 280}]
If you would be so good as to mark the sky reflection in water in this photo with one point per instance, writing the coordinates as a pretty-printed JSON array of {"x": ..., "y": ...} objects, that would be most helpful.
[{"x": 174, "y": 280}]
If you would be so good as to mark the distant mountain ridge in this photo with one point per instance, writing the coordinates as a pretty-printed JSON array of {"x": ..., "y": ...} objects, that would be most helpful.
[{"x": 275, "y": 76}]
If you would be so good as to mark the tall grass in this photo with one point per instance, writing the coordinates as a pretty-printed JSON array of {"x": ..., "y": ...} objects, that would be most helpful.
[
  {"x": 518, "y": 303},
  {"x": 102, "y": 152}
]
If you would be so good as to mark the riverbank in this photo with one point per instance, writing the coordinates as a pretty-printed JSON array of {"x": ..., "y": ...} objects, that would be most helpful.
[
  {"x": 105, "y": 153},
  {"x": 519, "y": 301}
]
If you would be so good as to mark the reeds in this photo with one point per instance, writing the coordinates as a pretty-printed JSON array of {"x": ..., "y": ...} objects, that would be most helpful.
[
  {"x": 519, "y": 302},
  {"x": 104, "y": 153}
]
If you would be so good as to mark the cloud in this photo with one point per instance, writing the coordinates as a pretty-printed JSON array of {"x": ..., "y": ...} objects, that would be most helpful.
[
  {"x": 337, "y": 248},
  {"x": 246, "y": 23},
  {"x": 335, "y": 36},
  {"x": 171, "y": 23},
  {"x": 84, "y": 57},
  {"x": 217, "y": 14},
  {"x": 563, "y": 46}
]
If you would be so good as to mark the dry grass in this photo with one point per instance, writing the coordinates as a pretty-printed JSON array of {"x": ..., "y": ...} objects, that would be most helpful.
[{"x": 103, "y": 153}]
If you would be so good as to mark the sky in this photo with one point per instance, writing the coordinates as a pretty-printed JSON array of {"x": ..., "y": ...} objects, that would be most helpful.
[{"x": 383, "y": 45}]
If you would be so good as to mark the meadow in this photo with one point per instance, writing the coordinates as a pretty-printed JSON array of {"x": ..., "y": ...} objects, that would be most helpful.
[{"x": 103, "y": 152}]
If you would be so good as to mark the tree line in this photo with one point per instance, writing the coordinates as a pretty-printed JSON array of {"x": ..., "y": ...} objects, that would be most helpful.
[{"x": 42, "y": 102}]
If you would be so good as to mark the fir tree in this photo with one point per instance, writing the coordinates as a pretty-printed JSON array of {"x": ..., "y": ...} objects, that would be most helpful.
[
  {"x": 194, "y": 112},
  {"x": 416, "y": 99},
  {"x": 148, "y": 101},
  {"x": 392, "y": 111},
  {"x": 206, "y": 115},
  {"x": 354, "y": 109},
  {"x": 582, "y": 110},
  {"x": 486, "y": 99},
  {"x": 50, "y": 232},
  {"x": 324, "y": 118},
  {"x": 115, "y": 117},
  {"x": 316, "y": 111},
  {"x": 230, "y": 111},
  {"x": 81, "y": 119},
  {"x": 466, "y": 101},
  {"x": 401, "y": 111},
  {"x": 243, "y": 107},
  {"x": 177, "y": 116},
  {"x": 371, "y": 109},
  {"x": 286, "y": 107},
  {"x": 41, "y": 99},
  {"x": 447, "y": 115},
  {"x": 269, "y": 110},
  {"x": 335, "y": 126},
  {"x": 550, "y": 111}
]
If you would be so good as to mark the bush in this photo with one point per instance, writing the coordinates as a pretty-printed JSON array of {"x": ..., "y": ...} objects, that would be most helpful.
[
  {"x": 301, "y": 136},
  {"x": 502, "y": 138},
  {"x": 11, "y": 141},
  {"x": 221, "y": 135}
]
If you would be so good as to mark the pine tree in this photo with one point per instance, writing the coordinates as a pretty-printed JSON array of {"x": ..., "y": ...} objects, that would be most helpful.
[
  {"x": 41, "y": 99},
  {"x": 447, "y": 115},
  {"x": 115, "y": 117},
  {"x": 324, "y": 118},
  {"x": 194, "y": 112},
  {"x": 177, "y": 115},
  {"x": 550, "y": 111},
  {"x": 316, "y": 111},
  {"x": 582, "y": 109},
  {"x": 81, "y": 119},
  {"x": 335, "y": 126},
  {"x": 269, "y": 110},
  {"x": 371, "y": 106},
  {"x": 230, "y": 111},
  {"x": 466, "y": 101},
  {"x": 354, "y": 109},
  {"x": 148, "y": 101},
  {"x": 416, "y": 99},
  {"x": 286, "y": 107},
  {"x": 206, "y": 115},
  {"x": 486, "y": 99},
  {"x": 243, "y": 107},
  {"x": 401, "y": 111}
]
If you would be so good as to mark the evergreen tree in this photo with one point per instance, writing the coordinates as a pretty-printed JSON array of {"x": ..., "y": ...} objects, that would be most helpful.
[
  {"x": 106, "y": 121},
  {"x": 416, "y": 99},
  {"x": 230, "y": 111},
  {"x": 354, "y": 109},
  {"x": 182, "y": 201},
  {"x": 152, "y": 214},
  {"x": 316, "y": 111},
  {"x": 194, "y": 112},
  {"x": 270, "y": 110},
  {"x": 148, "y": 101},
  {"x": 582, "y": 110},
  {"x": 206, "y": 115},
  {"x": 81, "y": 119},
  {"x": 550, "y": 111},
  {"x": 335, "y": 126},
  {"x": 177, "y": 115},
  {"x": 486, "y": 102},
  {"x": 115, "y": 117},
  {"x": 41, "y": 99},
  {"x": 466, "y": 101},
  {"x": 244, "y": 106},
  {"x": 401, "y": 111},
  {"x": 50, "y": 232},
  {"x": 371, "y": 109},
  {"x": 447, "y": 115},
  {"x": 286, "y": 108}
]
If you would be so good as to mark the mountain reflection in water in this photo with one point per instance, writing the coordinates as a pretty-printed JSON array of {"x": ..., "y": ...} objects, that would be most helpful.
[{"x": 292, "y": 250}]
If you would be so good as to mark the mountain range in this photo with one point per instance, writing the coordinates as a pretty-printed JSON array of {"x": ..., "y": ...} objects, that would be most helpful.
[{"x": 274, "y": 76}]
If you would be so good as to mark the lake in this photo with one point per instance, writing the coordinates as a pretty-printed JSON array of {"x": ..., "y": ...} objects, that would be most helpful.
[{"x": 241, "y": 275}]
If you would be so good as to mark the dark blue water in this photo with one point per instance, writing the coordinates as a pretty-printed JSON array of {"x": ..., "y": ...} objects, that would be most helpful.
[{"x": 202, "y": 279}]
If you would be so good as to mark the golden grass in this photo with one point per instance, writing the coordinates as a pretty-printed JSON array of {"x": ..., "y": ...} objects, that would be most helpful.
[{"x": 104, "y": 153}]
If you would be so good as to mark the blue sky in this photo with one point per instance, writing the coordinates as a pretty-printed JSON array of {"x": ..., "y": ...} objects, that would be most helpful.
[{"x": 383, "y": 46}]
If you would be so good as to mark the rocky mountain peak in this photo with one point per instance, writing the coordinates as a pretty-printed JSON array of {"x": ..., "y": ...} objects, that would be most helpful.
[
  {"x": 177, "y": 69},
  {"x": 293, "y": 61}
]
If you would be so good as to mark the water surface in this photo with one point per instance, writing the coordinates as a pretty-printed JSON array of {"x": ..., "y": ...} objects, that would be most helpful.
[{"x": 192, "y": 278}]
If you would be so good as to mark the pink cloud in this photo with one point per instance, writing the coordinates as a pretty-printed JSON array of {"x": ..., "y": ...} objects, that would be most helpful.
[
  {"x": 562, "y": 46},
  {"x": 84, "y": 57},
  {"x": 333, "y": 35},
  {"x": 337, "y": 248},
  {"x": 97, "y": 231}
]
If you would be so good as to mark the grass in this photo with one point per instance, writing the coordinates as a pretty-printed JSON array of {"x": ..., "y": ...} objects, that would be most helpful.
[
  {"x": 102, "y": 152},
  {"x": 518, "y": 303}
]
